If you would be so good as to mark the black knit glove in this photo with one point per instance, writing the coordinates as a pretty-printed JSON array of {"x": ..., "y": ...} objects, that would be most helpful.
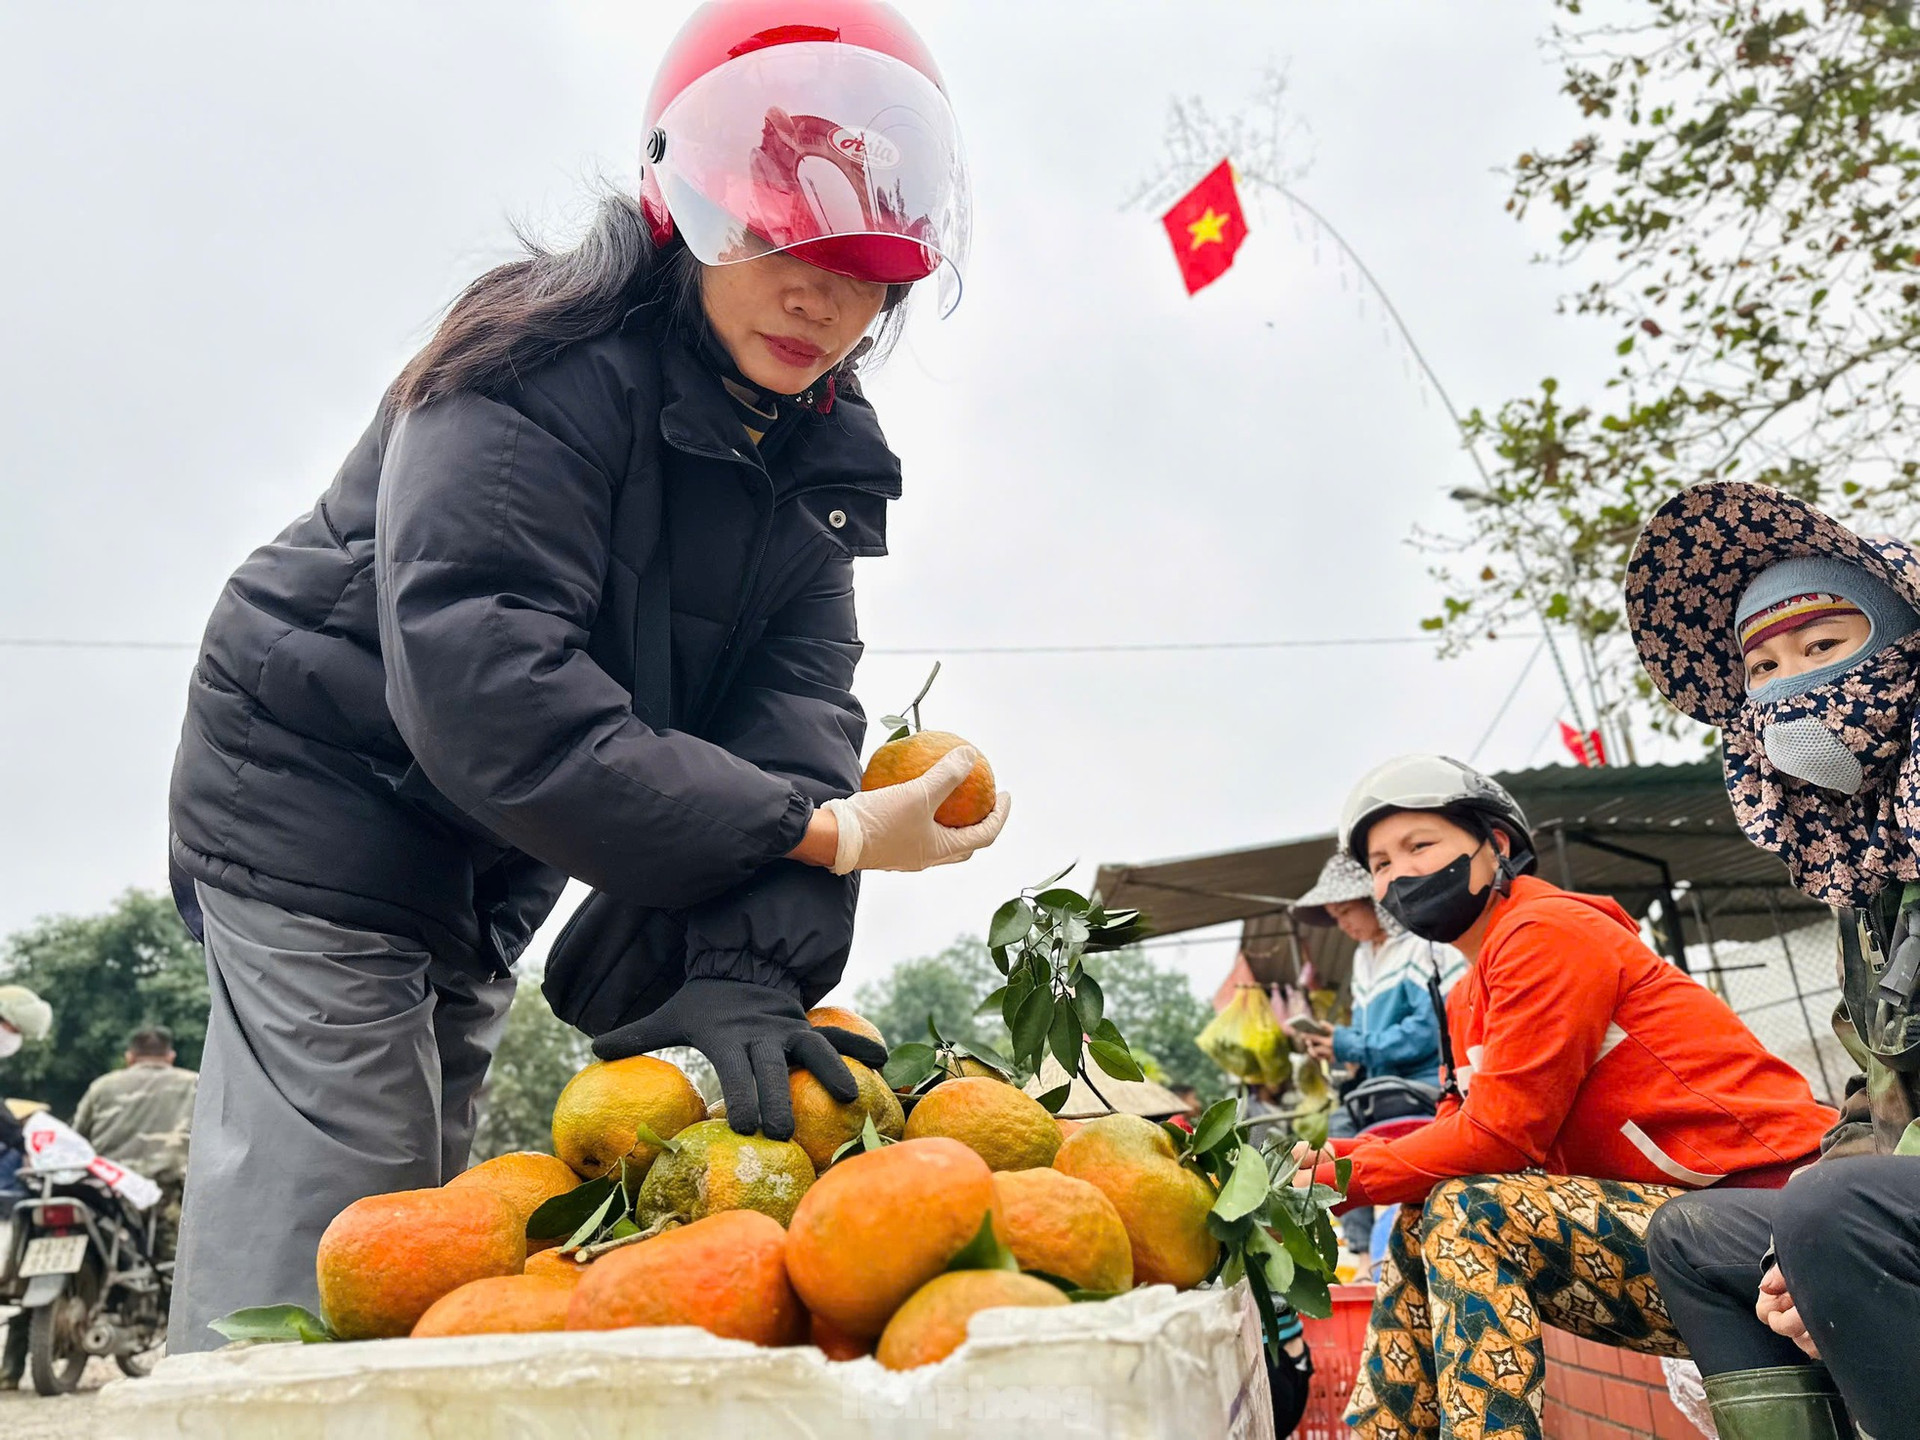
[{"x": 752, "y": 1035}]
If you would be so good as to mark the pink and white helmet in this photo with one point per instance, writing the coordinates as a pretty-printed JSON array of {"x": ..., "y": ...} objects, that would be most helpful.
[{"x": 819, "y": 127}]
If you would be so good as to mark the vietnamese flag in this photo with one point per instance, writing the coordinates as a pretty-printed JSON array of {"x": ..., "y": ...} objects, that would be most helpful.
[
  {"x": 1587, "y": 749},
  {"x": 1206, "y": 226}
]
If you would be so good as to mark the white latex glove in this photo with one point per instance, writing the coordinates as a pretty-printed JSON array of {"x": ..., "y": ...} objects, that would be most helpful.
[{"x": 894, "y": 829}]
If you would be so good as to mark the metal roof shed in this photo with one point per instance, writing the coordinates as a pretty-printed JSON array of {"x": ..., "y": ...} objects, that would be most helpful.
[
  {"x": 1660, "y": 839},
  {"x": 1639, "y": 833}
]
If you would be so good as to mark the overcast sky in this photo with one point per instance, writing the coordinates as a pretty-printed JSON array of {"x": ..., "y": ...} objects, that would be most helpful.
[{"x": 229, "y": 224}]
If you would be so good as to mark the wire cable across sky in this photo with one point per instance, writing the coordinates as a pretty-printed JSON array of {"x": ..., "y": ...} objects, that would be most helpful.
[{"x": 1130, "y": 647}]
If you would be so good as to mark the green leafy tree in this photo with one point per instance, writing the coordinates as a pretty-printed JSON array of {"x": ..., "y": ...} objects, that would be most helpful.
[
  {"x": 105, "y": 976},
  {"x": 538, "y": 1054},
  {"x": 947, "y": 986},
  {"x": 1743, "y": 186}
]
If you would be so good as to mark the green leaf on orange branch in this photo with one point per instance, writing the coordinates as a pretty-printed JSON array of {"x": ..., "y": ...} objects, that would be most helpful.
[
  {"x": 909, "y": 1064},
  {"x": 1052, "y": 1100},
  {"x": 1089, "y": 1003},
  {"x": 1111, "y": 1053},
  {"x": 1063, "y": 901},
  {"x": 869, "y": 1138},
  {"x": 1247, "y": 1185},
  {"x": 590, "y": 1228},
  {"x": 1063, "y": 1038},
  {"x": 1011, "y": 922},
  {"x": 644, "y": 1136},
  {"x": 1056, "y": 876},
  {"x": 1031, "y": 1025},
  {"x": 1277, "y": 1260},
  {"x": 274, "y": 1323},
  {"x": 1116, "y": 1060},
  {"x": 985, "y": 1251},
  {"x": 1214, "y": 1126},
  {"x": 985, "y": 1054},
  {"x": 1310, "y": 1294},
  {"x": 563, "y": 1214}
]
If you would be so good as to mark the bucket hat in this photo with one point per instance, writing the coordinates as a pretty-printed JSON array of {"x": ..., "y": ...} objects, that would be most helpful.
[{"x": 1341, "y": 878}]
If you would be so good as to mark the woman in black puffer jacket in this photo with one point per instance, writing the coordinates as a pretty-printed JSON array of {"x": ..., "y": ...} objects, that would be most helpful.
[{"x": 579, "y": 603}]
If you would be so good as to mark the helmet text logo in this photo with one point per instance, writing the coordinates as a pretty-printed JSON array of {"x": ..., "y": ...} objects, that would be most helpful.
[{"x": 869, "y": 147}]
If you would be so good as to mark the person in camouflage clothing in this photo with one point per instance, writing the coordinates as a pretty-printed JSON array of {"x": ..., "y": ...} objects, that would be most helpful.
[
  {"x": 1799, "y": 640},
  {"x": 140, "y": 1117}
]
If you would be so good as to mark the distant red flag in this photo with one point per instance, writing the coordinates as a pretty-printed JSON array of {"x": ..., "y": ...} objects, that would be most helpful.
[
  {"x": 1206, "y": 226},
  {"x": 1587, "y": 749}
]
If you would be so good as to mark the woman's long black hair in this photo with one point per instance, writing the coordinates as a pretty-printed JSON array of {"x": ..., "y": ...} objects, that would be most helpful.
[{"x": 520, "y": 315}]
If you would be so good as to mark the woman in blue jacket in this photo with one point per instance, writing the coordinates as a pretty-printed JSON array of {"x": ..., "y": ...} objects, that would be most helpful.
[{"x": 1395, "y": 1029}]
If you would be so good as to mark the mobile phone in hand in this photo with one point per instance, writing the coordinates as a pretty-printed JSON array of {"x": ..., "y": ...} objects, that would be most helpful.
[{"x": 1307, "y": 1025}]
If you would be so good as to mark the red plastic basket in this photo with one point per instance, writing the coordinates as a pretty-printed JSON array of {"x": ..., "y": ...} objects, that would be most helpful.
[{"x": 1336, "y": 1346}]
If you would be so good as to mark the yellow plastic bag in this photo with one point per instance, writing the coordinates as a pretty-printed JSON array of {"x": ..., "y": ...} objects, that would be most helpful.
[{"x": 1246, "y": 1041}]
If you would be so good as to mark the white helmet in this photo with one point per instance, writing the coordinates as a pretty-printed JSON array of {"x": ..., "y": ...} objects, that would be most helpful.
[
  {"x": 25, "y": 1012},
  {"x": 1432, "y": 782}
]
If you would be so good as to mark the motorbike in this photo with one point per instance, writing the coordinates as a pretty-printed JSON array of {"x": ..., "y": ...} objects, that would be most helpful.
[
  {"x": 1389, "y": 1100},
  {"x": 77, "y": 1264}
]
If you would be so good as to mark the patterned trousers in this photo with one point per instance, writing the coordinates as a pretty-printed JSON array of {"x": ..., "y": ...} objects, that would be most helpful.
[{"x": 1454, "y": 1346}]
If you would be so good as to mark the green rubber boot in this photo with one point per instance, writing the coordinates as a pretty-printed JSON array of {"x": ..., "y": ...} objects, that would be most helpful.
[{"x": 1786, "y": 1402}]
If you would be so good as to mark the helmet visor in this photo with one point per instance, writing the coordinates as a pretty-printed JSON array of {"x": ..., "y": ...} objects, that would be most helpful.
[{"x": 843, "y": 155}]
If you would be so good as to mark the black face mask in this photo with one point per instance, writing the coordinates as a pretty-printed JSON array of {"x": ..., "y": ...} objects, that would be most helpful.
[{"x": 1442, "y": 906}]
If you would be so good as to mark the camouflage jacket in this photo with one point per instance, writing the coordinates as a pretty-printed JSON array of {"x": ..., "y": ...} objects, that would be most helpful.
[
  {"x": 1882, "y": 1105},
  {"x": 139, "y": 1117}
]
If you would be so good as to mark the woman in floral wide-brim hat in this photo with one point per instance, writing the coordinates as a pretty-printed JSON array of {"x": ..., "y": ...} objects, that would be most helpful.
[{"x": 1800, "y": 640}]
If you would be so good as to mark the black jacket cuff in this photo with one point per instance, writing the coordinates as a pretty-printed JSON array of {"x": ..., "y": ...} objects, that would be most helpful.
[
  {"x": 793, "y": 825},
  {"x": 746, "y": 966}
]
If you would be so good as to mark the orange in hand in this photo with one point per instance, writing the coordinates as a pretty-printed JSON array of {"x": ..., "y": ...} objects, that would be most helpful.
[{"x": 911, "y": 756}]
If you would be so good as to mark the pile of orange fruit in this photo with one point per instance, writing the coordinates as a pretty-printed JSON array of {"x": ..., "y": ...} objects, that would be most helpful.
[{"x": 779, "y": 1242}]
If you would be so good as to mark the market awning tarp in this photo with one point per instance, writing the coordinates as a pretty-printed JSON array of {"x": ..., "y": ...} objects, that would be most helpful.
[
  {"x": 1106, "y": 1096},
  {"x": 1630, "y": 831}
]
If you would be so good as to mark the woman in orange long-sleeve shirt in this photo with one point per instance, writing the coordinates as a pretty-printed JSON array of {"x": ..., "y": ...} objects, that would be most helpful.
[{"x": 1590, "y": 1082}]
